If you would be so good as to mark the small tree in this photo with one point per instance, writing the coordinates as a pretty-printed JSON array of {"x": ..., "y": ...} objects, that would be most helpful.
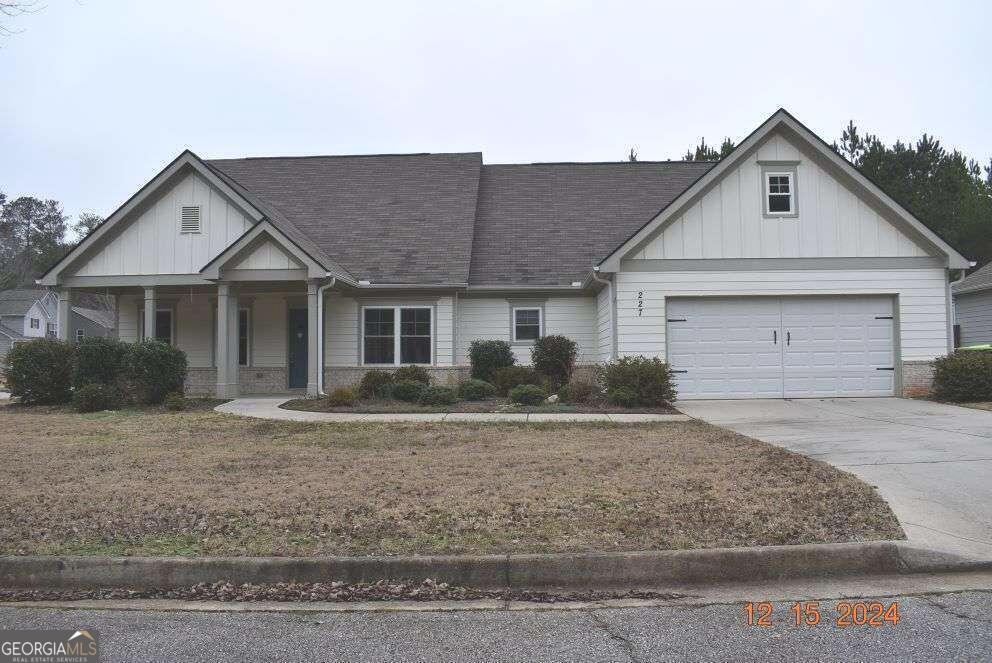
[
  {"x": 554, "y": 357},
  {"x": 487, "y": 357}
]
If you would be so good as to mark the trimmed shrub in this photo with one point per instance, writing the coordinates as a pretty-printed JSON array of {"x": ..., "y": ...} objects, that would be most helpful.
[
  {"x": 40, "y": 371},
  {"x": 375, "y": 384},
  {"x": 487, "y": 357},
  {"x": 438, "y": 396},
  {"x": 528, "y": 394},
  {"x": 408, "y": 390},
  {"x": 649, "y": 379},
  {"x": 412, "y": 374},
  {"x": 554, "y": 357},
  {"x": 509, "y": 377},
  {"x": 153, "y": 369},
  {"x": 95, "y": 398},
  {"x": 622, "y": 396},
  {"x": 176, "y": 402},
  {"x": 963, "y": 376},
  {"x": 98, "y": 360},
  {"x": 476, "y": 390},
  {"x": 342, "y": 397},
  {"x": 579, "y": 392}
]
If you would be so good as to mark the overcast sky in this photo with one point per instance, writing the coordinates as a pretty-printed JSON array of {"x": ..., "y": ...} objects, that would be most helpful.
[{"x": 96, "y": 96}]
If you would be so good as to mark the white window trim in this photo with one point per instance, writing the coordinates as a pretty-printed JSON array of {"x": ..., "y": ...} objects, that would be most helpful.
[
  {"x": 769, "y": 174},
  {"x": 35, "y": 323},
  {"x": 540, "y": 322},
  {"x": 247, "y": 310},
  {"x": 396, "y": 333},
  {"x": 158, "y": 309},
  {"x": 80, "y": 334}
]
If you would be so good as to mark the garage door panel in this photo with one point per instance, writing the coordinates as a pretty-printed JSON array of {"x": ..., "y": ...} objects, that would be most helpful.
[{"x": 727, "y": 346}]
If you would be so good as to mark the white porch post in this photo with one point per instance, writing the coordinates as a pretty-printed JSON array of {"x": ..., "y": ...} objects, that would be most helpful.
[
  {"x": 63, "y": 312},
  {"x": 312, "y": 364},
  {"x": 150, "y": 306},
  {"x": 227, "y": 342}
]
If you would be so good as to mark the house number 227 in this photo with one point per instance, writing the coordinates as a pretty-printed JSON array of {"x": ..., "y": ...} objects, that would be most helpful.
[{"x": 640, "y": 303}]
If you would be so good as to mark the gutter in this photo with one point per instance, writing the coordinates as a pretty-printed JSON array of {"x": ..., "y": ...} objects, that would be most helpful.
[
  {"x": 613, "y": 308},
  {"x": 320, "y": 332}
]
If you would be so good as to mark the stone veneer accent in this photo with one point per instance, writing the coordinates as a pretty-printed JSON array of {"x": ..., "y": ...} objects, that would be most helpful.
[
  {"x": 348, "y": 376},
  {"x": 917, "y": 378},
  {"x": 251, "y": 380}
]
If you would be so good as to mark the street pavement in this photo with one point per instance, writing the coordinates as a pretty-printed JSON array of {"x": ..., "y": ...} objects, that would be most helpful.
[
  {"x": 931, "y": 462},
  {"x": 933, "y": 627}
]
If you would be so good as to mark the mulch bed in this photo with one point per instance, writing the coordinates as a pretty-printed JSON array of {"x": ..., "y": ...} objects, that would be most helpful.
[{"x": 494, "y": 405}]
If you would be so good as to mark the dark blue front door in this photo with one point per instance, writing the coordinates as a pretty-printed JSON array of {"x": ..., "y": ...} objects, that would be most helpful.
[{"x": 297, "y": 348}]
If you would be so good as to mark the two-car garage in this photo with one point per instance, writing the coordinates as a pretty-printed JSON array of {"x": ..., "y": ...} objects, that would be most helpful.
[{"x": 782, "y": 347}]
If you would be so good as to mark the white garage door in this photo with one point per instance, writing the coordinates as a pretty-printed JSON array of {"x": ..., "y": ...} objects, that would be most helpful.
[{"x": 781, "y": 347}]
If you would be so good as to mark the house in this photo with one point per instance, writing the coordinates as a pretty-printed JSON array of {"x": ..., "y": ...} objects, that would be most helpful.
[
  {"x": 27, "y": 313},
  {"x": 973, "y": 307},
  {"x": 779, "y": 271}
]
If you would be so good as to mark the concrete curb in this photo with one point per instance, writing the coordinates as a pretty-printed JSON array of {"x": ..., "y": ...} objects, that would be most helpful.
[
  {"x": 268, "y": 408},
  {"x": 557, "y": 571}
]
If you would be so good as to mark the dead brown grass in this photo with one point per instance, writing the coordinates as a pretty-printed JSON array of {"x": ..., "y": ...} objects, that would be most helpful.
[{"x": 204, "y": 483}]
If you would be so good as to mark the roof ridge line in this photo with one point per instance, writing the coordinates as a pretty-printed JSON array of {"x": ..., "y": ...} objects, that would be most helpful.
[{"x": 344, "y": 156}]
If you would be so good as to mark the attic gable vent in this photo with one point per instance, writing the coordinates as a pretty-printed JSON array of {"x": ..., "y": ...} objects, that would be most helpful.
[{"x": 189, "y": 219}]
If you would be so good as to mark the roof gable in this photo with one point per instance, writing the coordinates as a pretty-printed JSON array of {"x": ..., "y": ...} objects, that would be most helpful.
[{"x": 799, "y": 135}]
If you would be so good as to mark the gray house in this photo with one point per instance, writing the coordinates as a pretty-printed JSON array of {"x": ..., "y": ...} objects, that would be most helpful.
[
  {"x": 27, "y": 313},
  {"x": 973, "y": 307}
]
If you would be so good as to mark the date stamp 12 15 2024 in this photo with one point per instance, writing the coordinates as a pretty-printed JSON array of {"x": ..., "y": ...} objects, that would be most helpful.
[{"x": 845, "y": 614}]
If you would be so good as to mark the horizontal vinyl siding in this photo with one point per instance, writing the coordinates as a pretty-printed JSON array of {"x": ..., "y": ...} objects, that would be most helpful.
[
  {"x": 194, "y": 327},
  {"x": 269, "y": 324},
  {"x": 974, "y": 313},
  {"x": 604, "y": 324},
  {"x": 488, "y": 318},
  {"x": 922, "y": 304},
  {"x": 127, "y": 317}
]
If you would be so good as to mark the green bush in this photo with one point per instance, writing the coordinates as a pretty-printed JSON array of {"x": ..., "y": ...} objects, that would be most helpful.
[
  {"x": 40, "y": 371},
  {"x": 176, "y": 402},
  {"x": 579, "y": 392},
  {"x": 963, "y": 376},
  {"x": 487, "y": 357},
  {"x": 98, "y": 360},
  {"x": 623, "y": 397},
  {"x": 95, "y": 398},
  {"x": 342, "y": 397},
  {"x": 153, "y": 369},
  {"x": 375, "y": 384},
  {"x": 528, "y": 394},
  {"x": 408, "y": 390},
  {"x": 476, "y": 390},
  {"x": 438, "y": 396},
  {"x": 648, "y": 378},
  {"x": 554, "y": 357},
  {"x": 509, "y": 377},
  {"x": 412, "y": 374}
]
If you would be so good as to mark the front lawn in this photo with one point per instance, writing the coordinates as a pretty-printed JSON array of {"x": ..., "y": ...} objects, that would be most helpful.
[
  {"x": 202, "y": 483},
  {"x": 386, "y": 405}
]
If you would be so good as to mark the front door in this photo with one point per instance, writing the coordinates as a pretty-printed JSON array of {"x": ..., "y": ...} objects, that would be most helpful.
[{"x": 297, "y": 348}]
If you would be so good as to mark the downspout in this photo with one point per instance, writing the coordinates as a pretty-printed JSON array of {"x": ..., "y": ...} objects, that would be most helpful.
[
  {"x": 320, "y": 333},
  {"x": 613, "y": 310}
]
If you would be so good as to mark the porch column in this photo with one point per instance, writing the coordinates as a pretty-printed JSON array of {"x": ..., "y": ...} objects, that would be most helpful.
[
  {"x": 62, "y": 313},
  {"x": 227, "y": 342},
  {"x": 150, "y": 306},
  {"x": 312, "y": 340}
]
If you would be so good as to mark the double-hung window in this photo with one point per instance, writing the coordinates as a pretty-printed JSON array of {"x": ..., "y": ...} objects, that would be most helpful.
[
  {"x": 163, "y": 325},
  {"x": 780, "y": 192},
  {"x": 394, "y": 335},
  {"x": 526, "y": 324},
  {"x": 244, "y": 333},
  {"x": 35, "y": 323}
]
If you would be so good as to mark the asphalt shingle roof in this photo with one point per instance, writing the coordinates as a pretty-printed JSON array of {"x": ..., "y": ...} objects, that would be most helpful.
[
  {"x": 386, "y": 218},
  {"x": 548, "y": 224},
  {"x": 980, "y": 279},
  {"x": 18, "y": 301}
]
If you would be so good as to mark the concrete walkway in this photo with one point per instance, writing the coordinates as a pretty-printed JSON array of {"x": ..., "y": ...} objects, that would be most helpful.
[
  {"x": 262, "y": 407},
  {"x": 931, "y": 462}
]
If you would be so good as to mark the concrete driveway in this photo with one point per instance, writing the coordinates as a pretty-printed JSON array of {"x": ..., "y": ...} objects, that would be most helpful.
[{"x": 931, "y": 462}]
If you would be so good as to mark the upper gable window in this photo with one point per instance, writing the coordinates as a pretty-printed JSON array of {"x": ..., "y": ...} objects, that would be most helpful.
[
  {"x": 189, "y": 219},
  {"x": 780, "y": 193}
]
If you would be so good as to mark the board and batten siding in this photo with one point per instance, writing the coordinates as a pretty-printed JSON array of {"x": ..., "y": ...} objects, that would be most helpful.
[
  {"x": 728, "y": 221},
  {"x": 268, "y": 255},
  {"x": 152, "y": 243},
  {"x": 973, "y": 312},
  {"x": 342, "y": 326},
  {"x": 488, "y": 318},
  {"x": 921, "y": 292}
]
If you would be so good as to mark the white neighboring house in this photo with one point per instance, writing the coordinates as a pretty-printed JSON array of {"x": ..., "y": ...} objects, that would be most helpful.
[
  {"x": 779, "y": 271},
  {"x": 27, "y": 313},
  {"x": 973, "y": 307}
]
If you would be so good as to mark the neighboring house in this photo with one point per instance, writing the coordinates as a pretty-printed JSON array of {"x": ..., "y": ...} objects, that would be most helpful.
[
  {"x": 973, "y": 307},
  {"x": 27, "y": 313},
  {"x": 780, "y": 271}
]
